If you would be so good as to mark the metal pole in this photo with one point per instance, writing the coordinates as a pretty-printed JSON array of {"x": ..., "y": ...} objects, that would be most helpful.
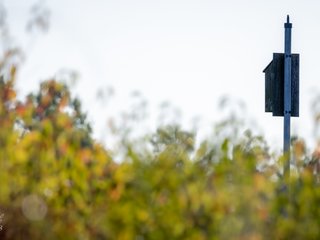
[{"x": 287, "y": 97}]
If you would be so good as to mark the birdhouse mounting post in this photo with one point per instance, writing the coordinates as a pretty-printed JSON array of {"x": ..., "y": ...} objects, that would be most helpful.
[
  {"x": 282, "y": 90},
  {"x": 287, "y": 96}
]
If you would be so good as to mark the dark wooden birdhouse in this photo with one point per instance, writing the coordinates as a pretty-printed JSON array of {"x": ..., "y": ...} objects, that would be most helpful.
[{"x": 274, "y": 85}]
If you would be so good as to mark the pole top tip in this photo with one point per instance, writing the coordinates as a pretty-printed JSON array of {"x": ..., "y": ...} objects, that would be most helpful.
[{"x": 288, "y": 24}]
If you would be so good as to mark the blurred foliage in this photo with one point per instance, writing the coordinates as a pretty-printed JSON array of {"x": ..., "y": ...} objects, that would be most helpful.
[{"x": 57, "y": 182}]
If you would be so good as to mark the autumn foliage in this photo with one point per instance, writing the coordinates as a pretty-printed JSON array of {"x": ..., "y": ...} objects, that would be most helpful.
[{"x": 57, "y": 182}]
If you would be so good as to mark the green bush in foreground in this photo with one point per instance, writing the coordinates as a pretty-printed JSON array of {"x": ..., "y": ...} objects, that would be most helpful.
[{"x": 58, "y": 183}]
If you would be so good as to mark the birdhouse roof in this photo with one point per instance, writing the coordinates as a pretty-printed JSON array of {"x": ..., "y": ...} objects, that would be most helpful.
[{"x": 267, "y": 66}]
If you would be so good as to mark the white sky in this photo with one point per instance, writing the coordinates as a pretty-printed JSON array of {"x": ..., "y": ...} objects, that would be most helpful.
[{"x": 188, "y": 52}]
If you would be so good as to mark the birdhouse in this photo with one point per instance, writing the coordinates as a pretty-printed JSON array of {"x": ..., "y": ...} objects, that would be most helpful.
[{"x": 274, "y": 85}]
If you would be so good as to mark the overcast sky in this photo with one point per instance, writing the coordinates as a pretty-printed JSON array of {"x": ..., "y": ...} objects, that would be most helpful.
[{"x": 187, "y": 52}]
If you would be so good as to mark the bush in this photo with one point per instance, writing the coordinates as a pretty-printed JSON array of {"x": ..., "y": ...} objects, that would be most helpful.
[{"x": 57, "y": 182}]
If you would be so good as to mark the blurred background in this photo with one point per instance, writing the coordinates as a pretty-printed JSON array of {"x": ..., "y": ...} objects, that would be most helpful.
[
  {"x": 175, "y": 61},
  {"x": 150, "y": 75}
]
